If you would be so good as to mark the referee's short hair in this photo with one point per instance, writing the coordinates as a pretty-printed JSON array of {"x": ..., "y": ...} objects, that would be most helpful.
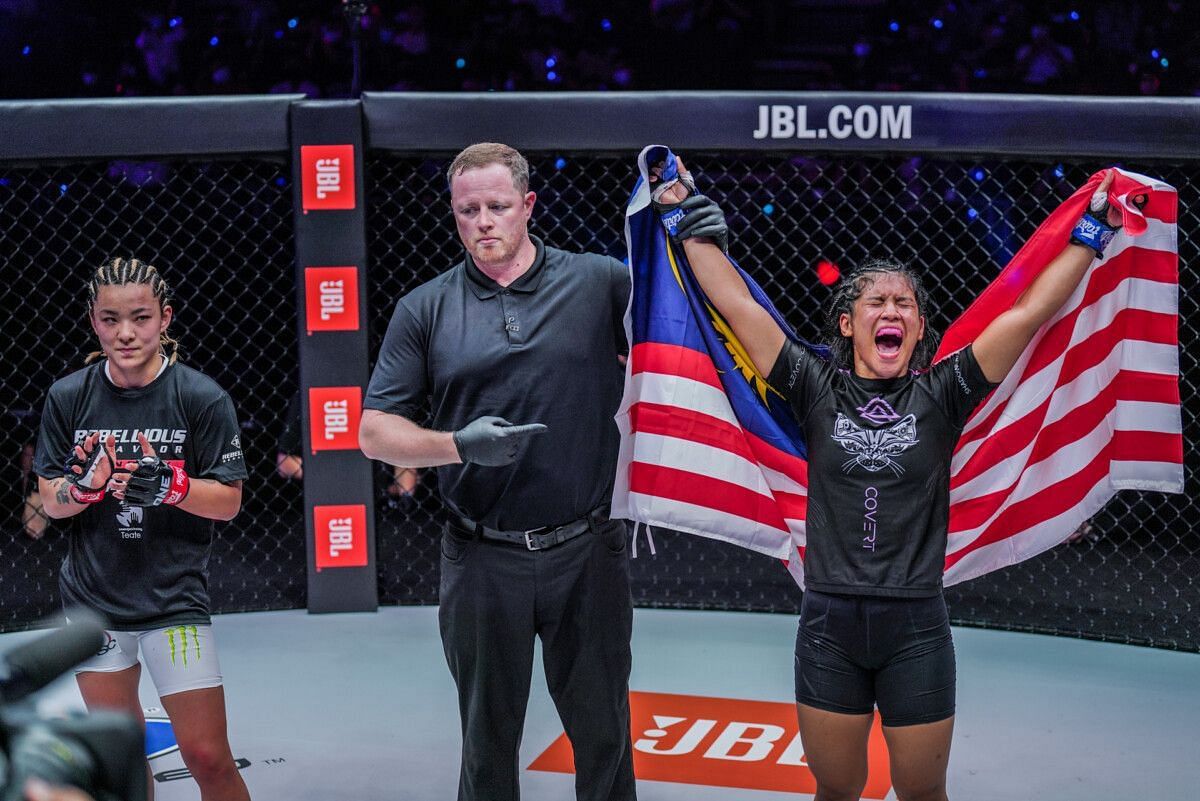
[{"x": 483, "y": 154}]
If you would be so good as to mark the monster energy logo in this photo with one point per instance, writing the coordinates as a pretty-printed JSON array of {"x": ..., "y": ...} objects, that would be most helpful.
[{"x": 177, "y": 638}]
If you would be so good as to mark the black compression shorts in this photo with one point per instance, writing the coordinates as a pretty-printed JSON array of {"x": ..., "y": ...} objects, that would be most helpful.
[{"x": 856, "y": 652}]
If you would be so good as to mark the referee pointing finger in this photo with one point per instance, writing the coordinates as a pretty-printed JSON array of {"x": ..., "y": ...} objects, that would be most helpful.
[{"x": 493, "y": 441}]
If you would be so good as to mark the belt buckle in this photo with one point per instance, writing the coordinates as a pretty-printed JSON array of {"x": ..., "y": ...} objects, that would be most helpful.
[{"x": 529, "y": 539}]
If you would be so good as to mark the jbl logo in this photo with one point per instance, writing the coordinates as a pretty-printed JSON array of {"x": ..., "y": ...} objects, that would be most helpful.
[
  {"x": 331, "y": 298},
  {"x": 722, "y": 742},
  {"x": 327, "y": 177},
  {"x": 334, "y": 415},
  {"x": 341, "y": 536},
  {"x": 337, "y": 419},
  {"x": 736, "y": 741}
]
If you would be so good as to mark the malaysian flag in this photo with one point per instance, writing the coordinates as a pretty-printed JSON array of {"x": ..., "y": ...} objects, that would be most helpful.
[{"x": 1091, "y": 407}]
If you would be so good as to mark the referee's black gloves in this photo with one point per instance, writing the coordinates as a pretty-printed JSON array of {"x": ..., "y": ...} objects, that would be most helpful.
[{"x": 493, "y": 441}]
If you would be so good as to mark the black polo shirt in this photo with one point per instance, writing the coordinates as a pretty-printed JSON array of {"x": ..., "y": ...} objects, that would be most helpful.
[{"x": 542, "y": 350}]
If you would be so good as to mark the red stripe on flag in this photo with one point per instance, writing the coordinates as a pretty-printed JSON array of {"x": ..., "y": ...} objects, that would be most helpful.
[
  {"x": 704, "y": 491},
  {"x": 780, "y": 461},
  {"x": 1014, "y": 438},
  {"x": 1153, "y": 446},
  {"x": 791, "y": 506},
  {"x": 1153, "y": 387},
  {"x": 655, "y": 357},
  {"x": 1150, "y": 327},
  {"x": 1056, "y": 498},
  {"x": 1162, "y": 206},
  {"x": 973, "y": 512},
  {"x": 703, "y": 429},
  {"x": 693, "y": 426},
  {"x": 982, "y": 428},
  {"x": 1148, "y": 446},
  {"x": 1033, "y": 257},
  {"x": 1052, "y": 501},
  {"x": 1058, "y": 337}
]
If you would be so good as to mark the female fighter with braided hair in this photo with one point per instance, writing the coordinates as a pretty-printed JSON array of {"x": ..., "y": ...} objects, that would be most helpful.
[
  {"x": 880, "y": 425},
  {"x": 144, "y": 452}
]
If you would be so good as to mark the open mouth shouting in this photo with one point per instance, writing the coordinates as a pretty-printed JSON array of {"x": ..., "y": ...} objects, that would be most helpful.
[{"x": 888, "y": 340}]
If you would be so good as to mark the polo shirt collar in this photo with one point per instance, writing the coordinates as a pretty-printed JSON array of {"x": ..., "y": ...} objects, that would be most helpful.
[{"x": 484, "y": 287}]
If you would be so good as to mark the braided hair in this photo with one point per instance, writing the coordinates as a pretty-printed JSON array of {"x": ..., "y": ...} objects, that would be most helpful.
[
  {"x": 119, "y": 272},
  {"x": 851, "y": 289}
]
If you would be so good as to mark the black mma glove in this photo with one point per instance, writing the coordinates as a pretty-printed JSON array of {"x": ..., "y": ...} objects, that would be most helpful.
[
  {"x": 83, "y": 489},
  {"x": 492, "y": 441},
  {"x": 155, "y": 483},
  {"x": 695, "y": 215},
  {"x": 1093, "y": 229}
]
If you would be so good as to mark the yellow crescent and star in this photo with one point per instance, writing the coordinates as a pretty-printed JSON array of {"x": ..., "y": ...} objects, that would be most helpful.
[{"x": 741, "y": 359}]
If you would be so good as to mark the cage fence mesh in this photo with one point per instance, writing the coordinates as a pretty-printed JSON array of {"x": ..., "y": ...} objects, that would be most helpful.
[
  {"x": 958, "y": 220},
  {"x": 221, "y": 231}
]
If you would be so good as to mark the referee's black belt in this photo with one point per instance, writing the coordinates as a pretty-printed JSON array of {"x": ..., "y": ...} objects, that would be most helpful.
[{"x": 537, "y": 539}]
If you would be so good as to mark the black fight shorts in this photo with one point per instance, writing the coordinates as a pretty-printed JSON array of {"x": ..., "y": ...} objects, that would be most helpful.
[{"x": 854, "y": 653}]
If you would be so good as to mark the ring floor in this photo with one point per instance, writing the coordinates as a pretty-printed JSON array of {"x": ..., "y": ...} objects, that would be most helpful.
[{"x": 361, "y": 707}]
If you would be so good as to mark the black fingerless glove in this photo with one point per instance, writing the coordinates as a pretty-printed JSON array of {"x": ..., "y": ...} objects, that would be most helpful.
[
  {"x": 1093, "y": 230},
  {"x": 155, "y": 483},
  {"x": 695, "y": 216},
  {"x": 82, "y": 489}
]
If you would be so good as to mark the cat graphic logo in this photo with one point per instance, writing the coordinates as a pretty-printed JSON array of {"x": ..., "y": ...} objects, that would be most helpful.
[
  {"x": 873, "y": 449},
  {"x": 129, "y": 522}
]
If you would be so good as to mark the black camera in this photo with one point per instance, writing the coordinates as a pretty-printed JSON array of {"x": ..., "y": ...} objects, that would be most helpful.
[{"x": 102, "y": 754}]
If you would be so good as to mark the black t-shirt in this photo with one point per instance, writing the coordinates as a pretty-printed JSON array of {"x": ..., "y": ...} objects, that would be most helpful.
[
  {"x": 542, "y": 350},
  {"x": 879, "y": 455},
  {"x": 142, "y": 568}
]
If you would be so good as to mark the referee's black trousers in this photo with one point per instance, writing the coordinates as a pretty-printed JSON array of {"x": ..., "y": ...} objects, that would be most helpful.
[{"x": 575, "y": 596}]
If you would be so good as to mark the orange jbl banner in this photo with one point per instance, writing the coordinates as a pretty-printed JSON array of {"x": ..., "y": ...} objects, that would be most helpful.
[{"x": 721, "y": 742}]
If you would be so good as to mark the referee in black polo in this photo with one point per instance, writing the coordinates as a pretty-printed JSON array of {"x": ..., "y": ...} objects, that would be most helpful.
[{"x": 517, "y": 347}]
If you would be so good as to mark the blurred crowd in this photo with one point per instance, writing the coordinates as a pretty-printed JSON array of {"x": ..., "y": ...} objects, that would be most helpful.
[{"x": 77, "y": 48}]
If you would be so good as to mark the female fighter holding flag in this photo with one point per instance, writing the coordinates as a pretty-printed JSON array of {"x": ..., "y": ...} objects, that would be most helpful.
[
  {"x": 874, "y": 631},
  {"x": 152, "y": 456}
]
